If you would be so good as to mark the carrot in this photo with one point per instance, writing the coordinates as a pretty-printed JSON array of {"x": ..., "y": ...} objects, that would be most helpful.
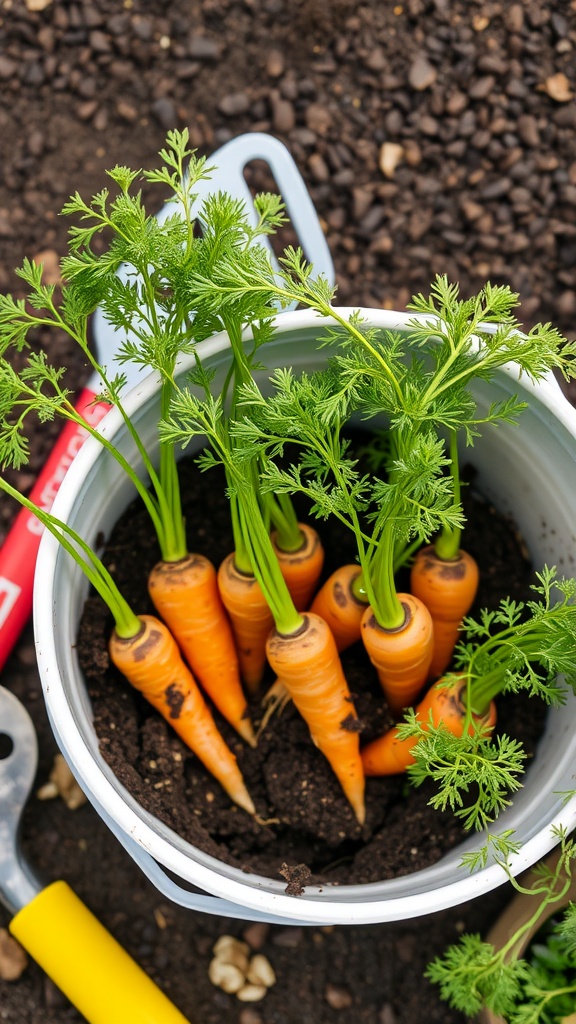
[
  {"x": 400, "y": 656},
  {"x": 301, "y": 568},
  {"x": 307, "y": 663},
  {"x": 185, "y": 594},
  {"x": 314, "y": 675},
  {"x": 338, "y": 605},
  {"x": 145, "y": 651},
  {"x": 390, "y": 755},
  {"x": 447, "y": 586},
  {"x": 151, "y": 662},
  {"x": 251, "y": 620}
]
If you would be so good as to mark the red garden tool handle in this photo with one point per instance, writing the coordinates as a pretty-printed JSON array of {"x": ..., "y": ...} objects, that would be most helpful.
[{"x": 18, "y": 553}]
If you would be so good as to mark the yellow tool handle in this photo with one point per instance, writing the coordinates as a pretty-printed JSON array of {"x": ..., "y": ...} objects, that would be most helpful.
[{"x": 87, "y": 964}]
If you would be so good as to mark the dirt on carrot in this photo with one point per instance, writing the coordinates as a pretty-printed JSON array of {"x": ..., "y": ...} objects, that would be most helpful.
[
  {"x": 151, "y": 662},
  {"x": 287, "y": 777},
  {"x": 339, "y": 607}
]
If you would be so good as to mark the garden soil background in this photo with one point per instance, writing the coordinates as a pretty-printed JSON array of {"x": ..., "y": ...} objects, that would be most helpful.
[{"x": 434, "y": 138}]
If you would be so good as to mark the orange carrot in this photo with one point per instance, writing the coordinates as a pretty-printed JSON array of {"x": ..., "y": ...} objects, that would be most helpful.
[
  {"x": 151, "y": 662},
  {"x": 251, "y": 620},
  {"x": 337, "y": 604},
  {"x": 401, "y": 656},
  {"x": 390, "y": 755},
  {"x": 448, "y": 588},
  {"x": 185, "y": 594},
  {"x": 301, "y": 568},
  {"x": 308, "y": 665}
]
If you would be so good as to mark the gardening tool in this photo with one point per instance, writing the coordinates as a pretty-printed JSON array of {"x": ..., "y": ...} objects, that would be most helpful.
[
  {"x": 59, "y": 932},
  {"x": 18, "y": 554}
]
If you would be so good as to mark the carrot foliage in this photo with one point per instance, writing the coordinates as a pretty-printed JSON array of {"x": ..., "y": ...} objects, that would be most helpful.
[
  {"x": 521, "y": 988},
  {"x": 518, "y": 647},
  {"x": 420, "y": 375},
  {"x": 413, "y": 500}
]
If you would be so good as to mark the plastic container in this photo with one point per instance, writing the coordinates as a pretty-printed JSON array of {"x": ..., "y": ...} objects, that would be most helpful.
[{"x": 527, "y": 471}]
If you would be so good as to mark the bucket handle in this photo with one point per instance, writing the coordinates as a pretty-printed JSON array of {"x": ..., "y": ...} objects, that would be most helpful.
[{"x": 191, "y": 899}]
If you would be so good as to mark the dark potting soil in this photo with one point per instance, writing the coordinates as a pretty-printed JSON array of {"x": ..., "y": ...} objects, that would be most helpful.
[{"x": 305, "y": 831}]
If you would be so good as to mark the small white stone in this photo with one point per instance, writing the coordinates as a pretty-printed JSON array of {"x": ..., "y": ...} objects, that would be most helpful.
[
  {"x": 251, "y": 993},
  {"x": 261, "y": 972},
  {"x": 232, "y": 951},
  {"x": 226, "y": 976},
  {"x": 391, "y": 154}
]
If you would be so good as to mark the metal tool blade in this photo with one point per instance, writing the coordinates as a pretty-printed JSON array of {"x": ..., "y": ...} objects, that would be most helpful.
[{"x": 18, "y": 760}]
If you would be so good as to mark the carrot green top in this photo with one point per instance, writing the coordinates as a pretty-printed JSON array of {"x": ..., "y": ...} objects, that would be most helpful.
[
  {"x": 127, "y": 623},
  {"x": 415, "y": 499},
  {"x": 192, "y": 416},
  {"x": 521, "y": 648}
]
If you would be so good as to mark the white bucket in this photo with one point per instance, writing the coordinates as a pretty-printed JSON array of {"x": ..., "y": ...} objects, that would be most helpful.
[{"x": 526, "y": 471}]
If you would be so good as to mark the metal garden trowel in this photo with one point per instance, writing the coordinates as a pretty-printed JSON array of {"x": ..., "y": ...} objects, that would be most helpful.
[{"x": 51, "y": 922}]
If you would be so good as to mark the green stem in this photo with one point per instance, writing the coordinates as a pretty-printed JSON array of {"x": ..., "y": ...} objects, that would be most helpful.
[
  {"x": 404, "y": 552},
  {"x": 285, "y": 521},
  {"x": 241, "y": 556},
  {"x": 68, "y": 412},
  {"x": 81, "y": 339},
  {"x": 278, "y": 511},
  {"x": 447, "y": 544},
  {"x": 165, "y": 511},
  {"x": 169, "y": 498},
  {"x": 265, "y": 565},
  {"x": 482, "y": 689},
  {"x": 512, "y": 947},
  {"x": 434, "y": 387},
  {"x": 314, "y": 302},
  {"x": 358, "y": 588},
  {"x": 387, "y": 608},
  {"x": 127, "y": 624}
]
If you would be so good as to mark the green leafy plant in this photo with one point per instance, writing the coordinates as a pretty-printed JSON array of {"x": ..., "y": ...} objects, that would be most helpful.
[
  {"x": 462, "y": 339},
  {"x": 519, "y": 647},
  {"x": 413, "y": 500},
  {"x": 524, "y": 983}
]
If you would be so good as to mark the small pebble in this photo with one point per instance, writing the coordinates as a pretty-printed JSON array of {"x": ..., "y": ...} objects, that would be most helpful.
[
  {"x": 421, "y": 74},
  {"x": 234, "y": 103},
  {"x": 165, "y": 112},
  {"x": 256, "y": 934},
  {"x": 226, "y": 976},
  {"x": 275, "y": 63},
  {"x": 283, "y": 113},
  {"x": 204, "y": 48},
  {"x": 260, "y": 971},
  {"x": 13, "y": 959},
  {"x": 336, "y": 997},
  {"x": 251, "y": 993},
  {"x": 249, "y": 1016}
]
